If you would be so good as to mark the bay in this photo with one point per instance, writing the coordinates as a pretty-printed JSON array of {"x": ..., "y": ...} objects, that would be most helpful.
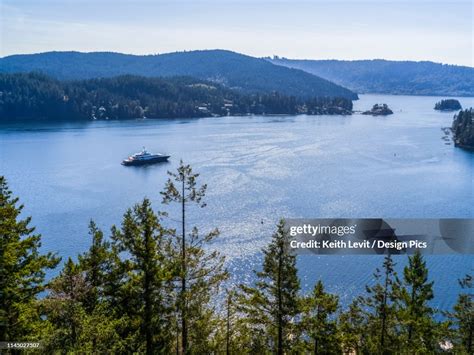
[{"x": 258, "y": 169}]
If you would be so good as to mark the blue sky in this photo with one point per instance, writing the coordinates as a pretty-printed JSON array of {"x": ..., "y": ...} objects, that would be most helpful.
[{"x": 441, "y": 31}]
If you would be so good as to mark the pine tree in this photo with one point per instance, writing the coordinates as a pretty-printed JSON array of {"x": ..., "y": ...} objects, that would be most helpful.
[
  {"x": 463, "y": 318},
  {"x": 22, "y": 270},
  {"x": 353, "y": 329},
  {"x": 142, "y": 246},
  {"x": 228, "y": 323},
  {"x": 64, "y": 308},
  {"x": 273, "y": 303},
  {"x": 96, "y": 265},
  {"x": 200, "y": 271},
  {"x": 317, "y": 323},
  {"x": 77, "y": 309},
  {"x": 413, "y": 311},
  {"x": 230, "y": 333},
  {"x": 380, "y": 308}
]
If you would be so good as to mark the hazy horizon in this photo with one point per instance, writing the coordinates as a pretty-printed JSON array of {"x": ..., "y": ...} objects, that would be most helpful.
[{"x": 421, "y": 30}]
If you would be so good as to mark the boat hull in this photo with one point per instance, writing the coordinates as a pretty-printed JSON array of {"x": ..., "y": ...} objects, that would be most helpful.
[{"x": 160, "y": 159}]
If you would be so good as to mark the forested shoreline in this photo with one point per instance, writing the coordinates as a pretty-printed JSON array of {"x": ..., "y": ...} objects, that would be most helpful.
[
  {"x": 463, "y": 129},
  {"x": 35, "y": 96},
  {"x": 149, "y": 288}
]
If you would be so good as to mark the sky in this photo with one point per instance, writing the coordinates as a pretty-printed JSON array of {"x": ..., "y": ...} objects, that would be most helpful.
[{"x": 439, "y": 31}]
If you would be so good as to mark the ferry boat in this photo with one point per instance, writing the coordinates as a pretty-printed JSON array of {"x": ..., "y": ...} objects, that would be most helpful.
[{"x": 145, "y": 157}]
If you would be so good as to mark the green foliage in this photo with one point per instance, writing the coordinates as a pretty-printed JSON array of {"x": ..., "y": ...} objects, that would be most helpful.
[
  {"x": 318, "y": 323},
  {"x": 153, "y": 290},
  {"x": 233, "y": 333},
  {"x": 462, "y": 318},
  {"x": 463, "y": 129},
  {"x": 35, "y": 96},
  {"x": 144, "y": 275},
  {"x": 77, "y": 309},
  {"x": 22, "y": 270},
  {"x": 380, "y": 310},
  {"x": 233, "y": 70},
  {"x": 272, "y": 305},
  {"x": 200, "y": 272},
  {"x": 64, "y": 307},
  {"x": 353, "y": 329},
  {"x": 96, "y": 264},
  {"x": 413, "y": 293}
]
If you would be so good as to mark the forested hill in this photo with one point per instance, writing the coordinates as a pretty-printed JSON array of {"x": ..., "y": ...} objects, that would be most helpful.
[
  {"x": 233, "y": 70},
  {"x": 37, "y": 96},
  {"x": 390, "y": 77}
]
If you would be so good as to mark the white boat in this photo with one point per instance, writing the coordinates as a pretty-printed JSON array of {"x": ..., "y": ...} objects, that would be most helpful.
[{"x": 145, "y": 157}]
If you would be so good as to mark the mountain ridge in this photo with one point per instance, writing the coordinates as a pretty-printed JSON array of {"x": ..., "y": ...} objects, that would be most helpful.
[
  {"x": 382, "y": 76},
  {"x": 234, "y": 70}
]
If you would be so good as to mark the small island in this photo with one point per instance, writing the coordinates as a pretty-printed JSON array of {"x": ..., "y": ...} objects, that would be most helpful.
[
  {"x": 463, "y": 129},
  {"x": 379, "y": 110},
  {"x": 448, "y": 105}
]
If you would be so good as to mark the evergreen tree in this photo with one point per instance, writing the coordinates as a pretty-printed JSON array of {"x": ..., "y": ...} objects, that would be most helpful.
[
  {"x": 64, "y": 308},
  {"x": 200, "y": 271},
  {"x": 380, "y": 308},
  {"x": 22, "y": 270},
  {"x": 272, "y": 304},
  {"x": 229, "y": 334},
  {"x": 353, "y": 329},
  {"x": 36, "y": 96},
  {"x": 96, "y": 266},
  {"x": 228, "y": 317},
  {"x": 317, "y": 321},
  {"x": 233, "y": 334},
  {"x": 463, "y": 129},
  {"x": 463, "y": 318},
  {"x": 418, "y": 330},
  {"x": 77, "y": 309},
  {"x": 142, "y": 246}
]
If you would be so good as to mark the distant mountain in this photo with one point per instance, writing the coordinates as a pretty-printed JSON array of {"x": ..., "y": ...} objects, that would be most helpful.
[
  {"x": 35, "y": 96},
  {"x": 233, "y": 70},
  {"x": 390, "y": 77}
]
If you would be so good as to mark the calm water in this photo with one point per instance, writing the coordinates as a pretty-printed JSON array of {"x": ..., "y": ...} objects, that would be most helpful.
[{"x": 258, "y": 169}]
